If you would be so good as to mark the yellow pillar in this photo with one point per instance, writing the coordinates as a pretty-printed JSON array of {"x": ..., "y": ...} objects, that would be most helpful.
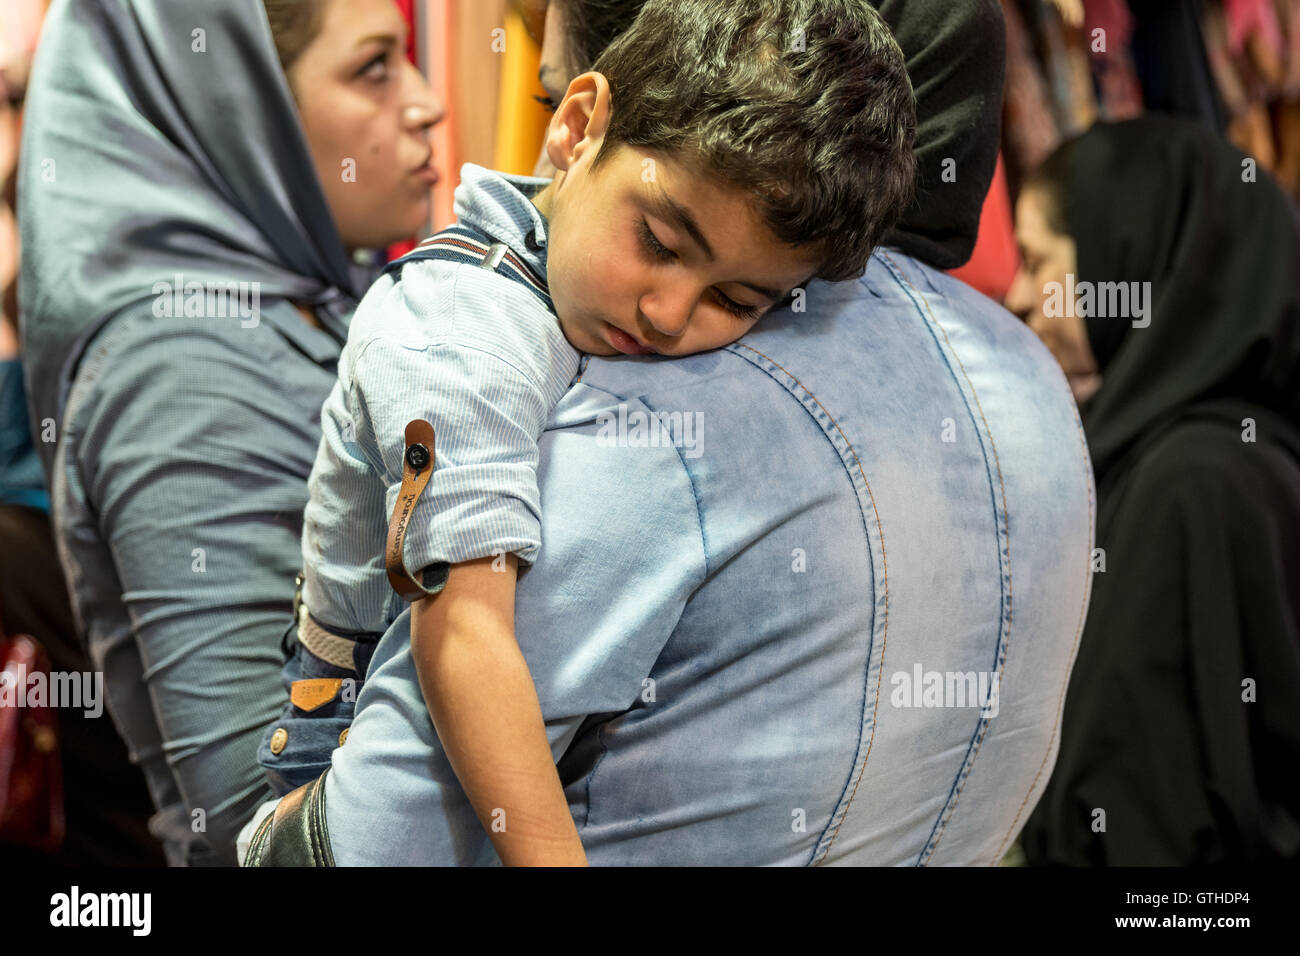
[{"x": 521, "y": 120}]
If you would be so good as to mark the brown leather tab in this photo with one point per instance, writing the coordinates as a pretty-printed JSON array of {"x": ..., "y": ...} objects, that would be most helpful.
[
  {"x": 417, "y": 468},
  {"x": 314, "y": 692}
]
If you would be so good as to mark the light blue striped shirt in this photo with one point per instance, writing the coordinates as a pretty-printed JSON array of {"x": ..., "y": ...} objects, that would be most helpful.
[{"x": 479, "y": 357}]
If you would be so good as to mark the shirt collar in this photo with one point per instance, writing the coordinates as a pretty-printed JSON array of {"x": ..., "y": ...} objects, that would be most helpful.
[{"x": 499, "y": 204}]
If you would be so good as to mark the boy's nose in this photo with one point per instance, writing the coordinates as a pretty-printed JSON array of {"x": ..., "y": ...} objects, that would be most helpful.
[{"x": 668, "y": 311}]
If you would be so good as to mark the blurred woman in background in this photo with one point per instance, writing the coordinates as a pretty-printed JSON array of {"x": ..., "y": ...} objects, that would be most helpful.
[
  {"x": 1181, "y": 731},
  {"x": 175, "y": 146}
]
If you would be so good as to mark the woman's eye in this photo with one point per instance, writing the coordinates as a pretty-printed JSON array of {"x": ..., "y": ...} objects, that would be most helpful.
[
  {"x": 549, "y": 103},
  {"x": 653, "y": 245},
  {"x": 377, "y": 69}
]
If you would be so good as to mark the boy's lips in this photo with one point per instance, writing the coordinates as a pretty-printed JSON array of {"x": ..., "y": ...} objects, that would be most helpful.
[{"x": 626, "y": 343}]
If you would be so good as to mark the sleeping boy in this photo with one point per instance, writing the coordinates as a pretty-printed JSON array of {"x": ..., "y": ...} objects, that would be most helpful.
[{"x": 717, "y": 157}]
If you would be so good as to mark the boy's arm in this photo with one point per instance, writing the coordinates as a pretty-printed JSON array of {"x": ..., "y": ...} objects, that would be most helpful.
[{"x": 484, "y": 706}]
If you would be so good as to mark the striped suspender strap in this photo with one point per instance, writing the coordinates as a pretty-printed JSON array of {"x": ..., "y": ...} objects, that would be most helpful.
[{"x": 471, "y": 247}]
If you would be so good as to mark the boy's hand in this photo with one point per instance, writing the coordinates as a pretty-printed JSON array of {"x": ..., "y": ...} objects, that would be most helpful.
[{"x": 484, "y": 706}]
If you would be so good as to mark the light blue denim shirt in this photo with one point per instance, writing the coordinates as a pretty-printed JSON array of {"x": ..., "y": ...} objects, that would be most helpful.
[
  {"x": 479, "y": 357},
  {"x": 810, "y": 598}
]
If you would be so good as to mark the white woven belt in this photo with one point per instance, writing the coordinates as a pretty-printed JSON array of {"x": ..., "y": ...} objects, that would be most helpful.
[{"x": 328, "y": 647}]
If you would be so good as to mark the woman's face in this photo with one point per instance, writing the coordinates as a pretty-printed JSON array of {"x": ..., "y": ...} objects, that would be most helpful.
[
  {"x": 553, "y": 70},
  {"x": 1047, "y": 256},
  {"x": 366, "y": 112}
]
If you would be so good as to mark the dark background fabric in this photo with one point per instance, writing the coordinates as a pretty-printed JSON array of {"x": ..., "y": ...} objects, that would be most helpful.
[
  {"x": 105, "y": 799},
  {"x": 956, "y": 58},
  {"x": 1171, "y": 62}
]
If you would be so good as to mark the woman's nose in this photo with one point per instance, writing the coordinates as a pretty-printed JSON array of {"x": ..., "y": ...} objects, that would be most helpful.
[
  {"x": 1019, "y": 300},
  {"x": 418, "y": 117},
  {"x": 423, "y": 110}
]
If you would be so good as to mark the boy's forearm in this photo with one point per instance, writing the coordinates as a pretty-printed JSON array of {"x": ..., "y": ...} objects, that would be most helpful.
[{"x": 484, "y": 706}]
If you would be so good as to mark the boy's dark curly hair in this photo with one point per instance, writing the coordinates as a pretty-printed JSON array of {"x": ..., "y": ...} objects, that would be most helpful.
[{"x": 806, "y": 104}]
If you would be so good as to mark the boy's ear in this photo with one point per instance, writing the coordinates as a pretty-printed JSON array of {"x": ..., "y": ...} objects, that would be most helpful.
[{"x": 580, "y": 121}]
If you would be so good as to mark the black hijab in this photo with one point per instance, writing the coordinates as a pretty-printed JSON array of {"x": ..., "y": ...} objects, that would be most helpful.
[
  {"x": 1180, "y": 722},
  {"x": 956, "y": 59},
  {"x": 1164, "y": 200}
]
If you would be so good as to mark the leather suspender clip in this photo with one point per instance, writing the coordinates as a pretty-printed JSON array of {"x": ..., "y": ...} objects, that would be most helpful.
[{"x": 417, "y": 468}]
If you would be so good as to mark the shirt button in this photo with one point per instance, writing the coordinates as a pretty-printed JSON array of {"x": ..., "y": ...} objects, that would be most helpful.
[
  {"x": 417, "y": 456},
  {"x": 278, "y": 740},
  {"x": 531, "y": 242},
  {"x": 343, "y": 737}
]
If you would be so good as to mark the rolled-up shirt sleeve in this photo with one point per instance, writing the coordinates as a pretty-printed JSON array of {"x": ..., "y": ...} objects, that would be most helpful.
[{"x": 487, "y": 386}]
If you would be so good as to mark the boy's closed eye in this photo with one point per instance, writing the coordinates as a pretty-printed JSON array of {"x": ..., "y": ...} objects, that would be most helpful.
[{"x": 660, "y": 253}]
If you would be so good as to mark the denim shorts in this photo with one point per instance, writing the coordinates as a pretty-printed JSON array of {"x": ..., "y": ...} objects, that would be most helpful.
[{"x": 306, "y": 739}]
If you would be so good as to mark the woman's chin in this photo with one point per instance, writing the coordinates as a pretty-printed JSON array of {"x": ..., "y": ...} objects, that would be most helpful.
[{"x": 1084, "y": 386}]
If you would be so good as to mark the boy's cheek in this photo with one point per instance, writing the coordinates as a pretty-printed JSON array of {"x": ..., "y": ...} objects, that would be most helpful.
[{"x": 585, "y": 339}]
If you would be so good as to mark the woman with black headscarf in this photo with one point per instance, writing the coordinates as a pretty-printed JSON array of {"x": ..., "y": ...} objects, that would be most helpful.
[
  {"x": 195, "y": 175},
  {"x": 1181, "y": 732}
]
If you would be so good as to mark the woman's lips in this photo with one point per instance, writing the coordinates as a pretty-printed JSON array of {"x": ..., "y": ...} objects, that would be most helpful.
[
  {"x": 426, "y": 174},
  {"x": 625, "y": 343}
]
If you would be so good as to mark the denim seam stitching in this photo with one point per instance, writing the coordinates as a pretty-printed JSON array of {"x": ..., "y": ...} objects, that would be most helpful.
[
  {"x": 1002, "y": 520},
  {"x": 842, "y": 812},
  {"x": 695, "y": 494},
  {"x": 1078, "y": 633},
  {"x": 981, "y": 727}
]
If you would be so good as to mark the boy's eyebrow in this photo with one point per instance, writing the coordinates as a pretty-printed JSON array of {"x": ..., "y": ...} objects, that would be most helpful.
[
  {"x": 765, "y": 293},
  {"x": 670, "y": 209}
]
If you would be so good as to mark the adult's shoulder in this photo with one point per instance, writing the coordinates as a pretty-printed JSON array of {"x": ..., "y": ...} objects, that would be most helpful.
[
  {"x": 963, "y": 310},
  {"x": 152, "y": 386},
  {"x": 147, "y": 354}
]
